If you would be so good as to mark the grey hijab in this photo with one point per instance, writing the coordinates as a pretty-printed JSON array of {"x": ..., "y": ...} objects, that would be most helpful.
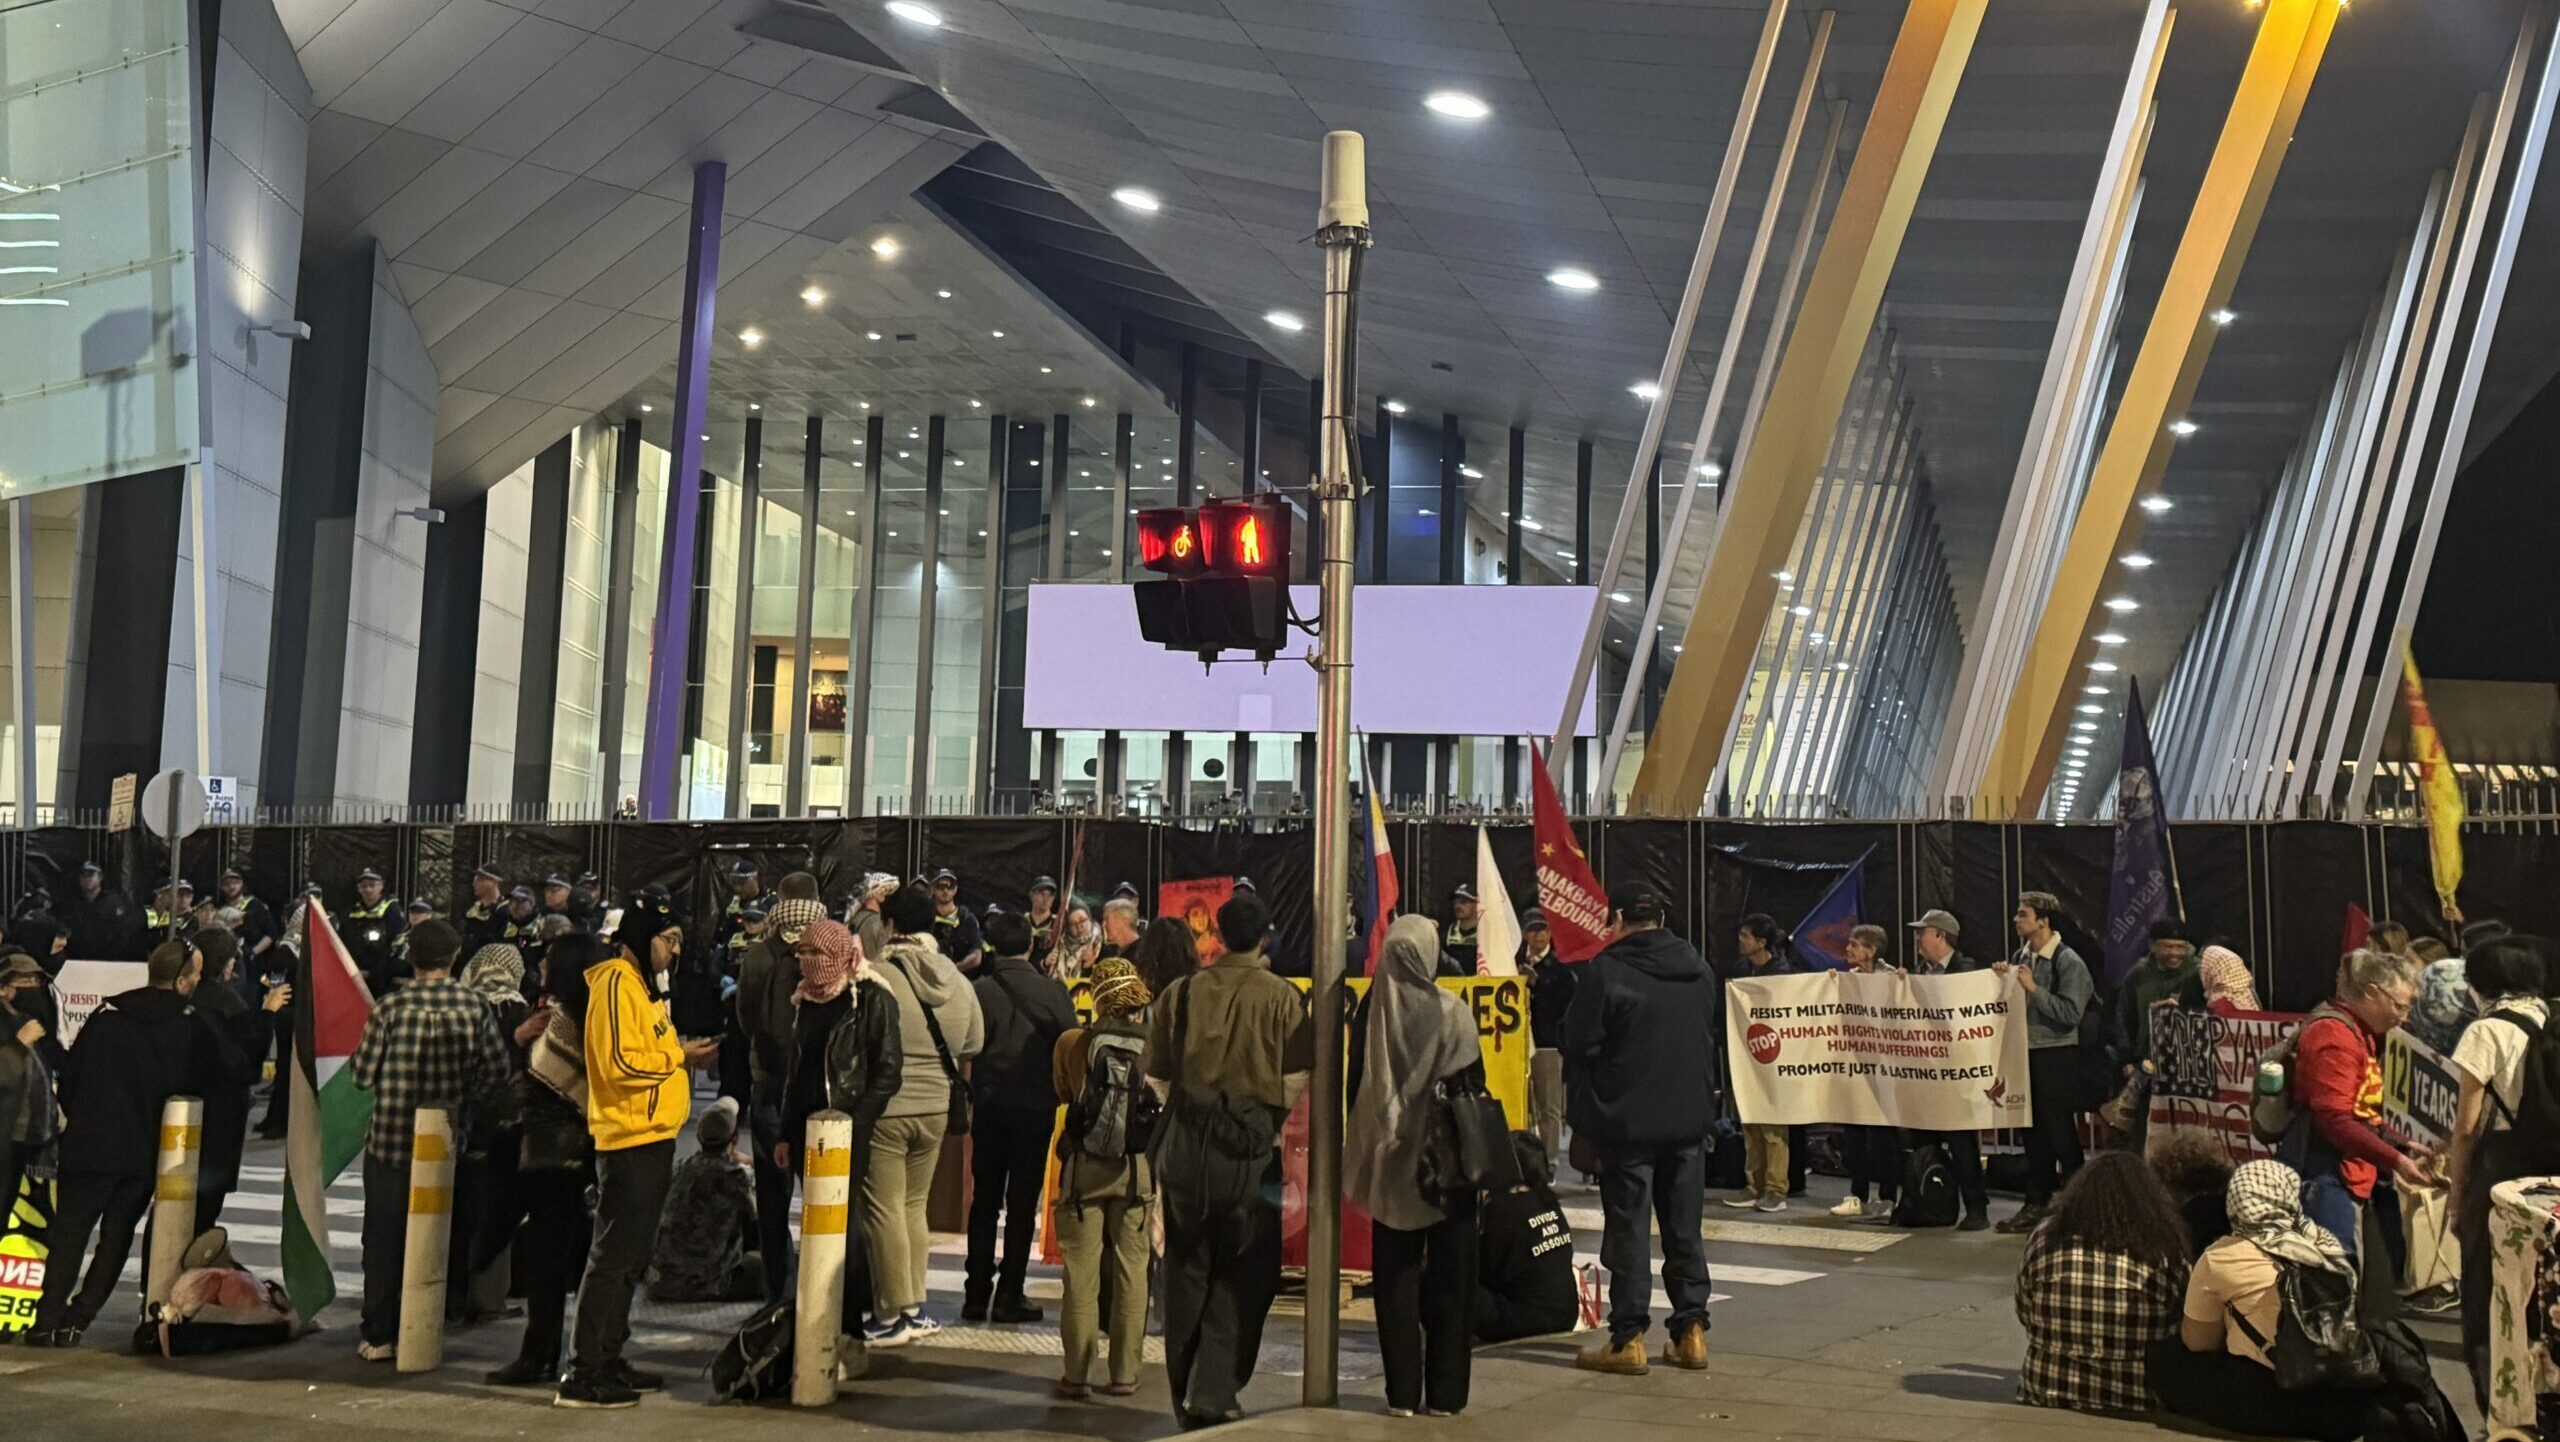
[{"x": 1418, "y": 1034}]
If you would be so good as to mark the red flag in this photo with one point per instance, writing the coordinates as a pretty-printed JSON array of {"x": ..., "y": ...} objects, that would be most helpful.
[
  {"x": 2359, "y": 930},
  {"x": 1576, "y": 907}
]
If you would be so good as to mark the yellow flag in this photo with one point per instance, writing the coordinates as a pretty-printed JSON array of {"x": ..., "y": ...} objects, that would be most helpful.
[{"x": 2436, "y": 784}]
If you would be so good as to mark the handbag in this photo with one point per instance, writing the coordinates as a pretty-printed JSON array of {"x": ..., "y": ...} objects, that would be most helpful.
[
  {"x": 958, "y": 1124},
  {"x": 1468, "y": 1146}
]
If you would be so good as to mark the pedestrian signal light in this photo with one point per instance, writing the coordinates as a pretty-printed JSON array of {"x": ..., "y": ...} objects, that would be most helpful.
[{"x": 1229, "y": 567}]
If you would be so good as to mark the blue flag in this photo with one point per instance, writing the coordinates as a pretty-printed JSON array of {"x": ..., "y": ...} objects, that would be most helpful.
[
  {"x": 2142, "y": 886},
  {"x": 1822, "y": 938}
]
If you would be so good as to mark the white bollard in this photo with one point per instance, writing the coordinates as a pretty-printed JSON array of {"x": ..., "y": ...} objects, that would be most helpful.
[
  {"x": 422, "y": 1274},
  {"x": 826, "y": 1190},
  {"x": 173, "y": 1196}
]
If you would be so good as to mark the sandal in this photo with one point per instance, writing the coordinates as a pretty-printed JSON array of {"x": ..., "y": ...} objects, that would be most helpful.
[
  {"x": 1118, "y": 1389},
  {"x": 1066, "y": 1391}
]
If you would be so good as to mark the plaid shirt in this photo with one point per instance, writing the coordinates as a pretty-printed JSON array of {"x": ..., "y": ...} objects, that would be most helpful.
[
  {"x": 2089, "y": 1317},
  {"x": 429, "y": 1042}
]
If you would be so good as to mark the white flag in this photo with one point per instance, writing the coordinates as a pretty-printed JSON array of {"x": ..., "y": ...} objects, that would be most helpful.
[{"x": 1497, "y": 925}]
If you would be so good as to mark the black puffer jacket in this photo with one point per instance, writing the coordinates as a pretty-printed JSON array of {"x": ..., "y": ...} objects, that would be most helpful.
[
  {"x": 1640, "y": 1045},
  {"x": 1026, "y": 1013},
  {"x": 132, "y": 1056}
]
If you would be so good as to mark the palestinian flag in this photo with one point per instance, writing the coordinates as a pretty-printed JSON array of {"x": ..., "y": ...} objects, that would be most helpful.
[{"x": 325, "y": 1129}]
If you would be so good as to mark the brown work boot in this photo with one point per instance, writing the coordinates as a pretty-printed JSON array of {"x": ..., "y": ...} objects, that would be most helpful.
[
  {"x": 1687, "y": 1349},
  {"x": 1624, "y": 1358}
]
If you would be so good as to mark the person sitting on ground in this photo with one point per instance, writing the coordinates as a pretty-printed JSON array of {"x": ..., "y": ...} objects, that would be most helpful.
[
  {"x": 2217, "y": 1370},
  {"x": 2197, "y": 1171},
  {"x": 2104, "y": 1275},
  {"x": 703, "y": 1252},
  {"x": 1524, "y": 1254}
]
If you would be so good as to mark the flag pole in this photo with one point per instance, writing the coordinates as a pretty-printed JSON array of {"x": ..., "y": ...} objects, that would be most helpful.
[{"x": 1342, "y": 231}]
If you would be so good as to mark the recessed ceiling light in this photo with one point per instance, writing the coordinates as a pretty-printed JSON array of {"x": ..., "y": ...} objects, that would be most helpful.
[
  {"x": 1529, "y": 525},
  {"x": 1644, "y": 390},
  {"x": 1397, "y": 408},
  {"x": 1799, "y": 610},
  {"x": 886, "y": 247},
  {"x": 2225, "y": 316},
  {"x": 866, "y": 405},
  {"x": 1426, "y": 512},
  {"x": 644, "y": 408},
  {"x": 1044, "y": 370},
  {"x": 1138, "y": 198},
  {"x": 1784, "y": 575},
  {"x": 1090, "y": 403},
  {"x": 2109, "y": 638},
  {"x": 1456, "y": 104},
  {"x": 2135, "y": 560},
  {"x": 2076, "y": 725},
  {"x": 915, "y": 14},
  {"x": 2158, "y": 505},
  {"x": 2182, "y": 427},
  {"x": 2093, "y": 690},
  {"x": 1471, "y": 473},
  {"x": 1622, "y": 598},
  {"x": 813, "y": 297},
  {"x": 995, "y": 335},
  {"x": 871, "y": 335},
  {"x": 751, "y": 337},
  {"x": 1572, "y": 278},
  {"x": 2122, "y": 604},
  {"x": 2093, "y": 710},
  {"x": 1285, "y": 320},
  {"x": 2103, "y": 668},
  {"x": 755, "y": 405},
  {"x": 973, "y": 405},
  {"x": 1710, "y": 471},
  {"x": 902, "y": 455}
]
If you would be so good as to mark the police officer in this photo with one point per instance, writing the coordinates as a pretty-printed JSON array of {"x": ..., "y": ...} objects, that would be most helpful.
[
  {"x": 485, "y": 922},
  {"x": 166, "y": 911},
  {"x": 586, "y": 900},
  {"x": 1458, "y": 944},
  {"x": 954, "y": 927},
  {"x": 748, "y": 931},
  {"x": 104, "y": 923},
  {"x": 1043, "y": 916},
  {"x": 258, "y": 929},
  {"x": 746, "y": 888},
  {"x": 374, "y": 926},
  {"x": 558, "y": 898}
]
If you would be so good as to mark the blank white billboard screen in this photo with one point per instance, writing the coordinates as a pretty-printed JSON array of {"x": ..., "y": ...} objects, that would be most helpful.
[{"x": 1426, "y": 660}]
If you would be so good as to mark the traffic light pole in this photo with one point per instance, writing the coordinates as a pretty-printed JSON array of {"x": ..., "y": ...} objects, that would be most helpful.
[{"x": 1342, "y": 229}]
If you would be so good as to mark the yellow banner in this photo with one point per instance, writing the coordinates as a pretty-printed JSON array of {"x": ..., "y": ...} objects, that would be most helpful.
[{"x": 2437, "y": 786}]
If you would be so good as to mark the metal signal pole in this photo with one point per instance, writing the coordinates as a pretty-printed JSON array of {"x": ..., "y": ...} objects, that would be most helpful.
[{"x": 1342, "y": 229}]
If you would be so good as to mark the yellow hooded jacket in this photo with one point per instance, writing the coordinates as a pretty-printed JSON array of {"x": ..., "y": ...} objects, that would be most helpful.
[{"x": 636, "y": 1088}]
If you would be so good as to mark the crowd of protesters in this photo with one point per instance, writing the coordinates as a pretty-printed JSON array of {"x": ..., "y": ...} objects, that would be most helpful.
[{"x": 565, "y": 1036}]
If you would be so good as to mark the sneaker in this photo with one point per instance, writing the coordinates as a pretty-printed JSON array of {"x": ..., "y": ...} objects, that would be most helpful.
[
  {"x": 377, "y": 1351},
  {"x": 60, "y": 1337},
  {"x": 1742, "y": 1201},
  {"x": 1687, "y": 1349},
  {"x": 1772, "y": 1203},
  {"x": 1622, "y": 1356},
  {"x": 1399, "y": 1411},
  {"x": 921, "y": 1324},
  {"x": 633, "y": 1378},
  {"x": 1975, "y": 1221},
  {"x": 1849, "y": 1207},
  {"x": 1013, "y": 1310},
  {"x": 1879, "y": 1210},
  {"x": 893, "y": 1333},
  {"x": 1438, "y": 1412},
  {"x": 2435, "y": 1301},
  {"x": 2024, "y": 1222},
  {"x": 594, "y": 1393}
]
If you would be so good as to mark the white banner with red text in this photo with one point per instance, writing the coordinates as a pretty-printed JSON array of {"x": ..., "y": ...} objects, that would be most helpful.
[{"x": 1938, "y": 1053}]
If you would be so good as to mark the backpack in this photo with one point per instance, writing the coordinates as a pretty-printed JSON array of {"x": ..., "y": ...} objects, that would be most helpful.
[
  {"x": 1117, "y": 1112},
  {"x": 2271, "y": 1110},
  {"x": 2319, "y": 1342},
  {"x": 2533, "y": 1124},
  {"x": 755, "y": 1365},
  {"x": 1928, "y": 1190}
]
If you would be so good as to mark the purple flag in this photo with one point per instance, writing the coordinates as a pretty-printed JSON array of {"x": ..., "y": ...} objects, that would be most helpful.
[{"x": 2142, "y": 886}]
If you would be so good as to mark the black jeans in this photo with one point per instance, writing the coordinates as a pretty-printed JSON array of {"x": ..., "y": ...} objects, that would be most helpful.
[
  {"x": 1008, "y": 1159},
  {"x": 773, "y": 1205},
  {"x": 2240, "y": 1395},
  {"x": 280, "y": 1096},
  {"x": 552, "y": 1239},
  {"x": 1221, "y": 1270},
  {"x": 112, "y": 1206},
  {"x": 2053, "y": 1136},
  {"x": 386, "y": 1249},
  {"x": 1425, "y": 1284},
  {"x": 1668, "y": 1186},
  {"x": 631, "y": 1191},
  {"x": 1875, "y": 1161}
]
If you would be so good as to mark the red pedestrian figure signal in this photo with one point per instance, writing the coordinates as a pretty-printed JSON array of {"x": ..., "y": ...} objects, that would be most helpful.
[{"x": 1228, "y": 569}]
